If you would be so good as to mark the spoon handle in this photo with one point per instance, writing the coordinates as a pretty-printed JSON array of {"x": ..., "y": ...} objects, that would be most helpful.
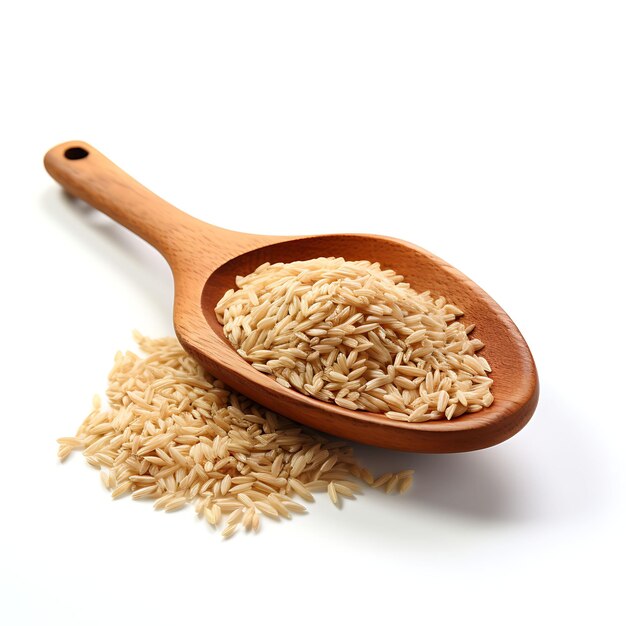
[{"x": 89, "y": 175}]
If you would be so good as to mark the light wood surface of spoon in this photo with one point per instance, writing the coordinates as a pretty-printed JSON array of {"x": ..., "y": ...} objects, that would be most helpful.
[{"x": 205, "y": 260}]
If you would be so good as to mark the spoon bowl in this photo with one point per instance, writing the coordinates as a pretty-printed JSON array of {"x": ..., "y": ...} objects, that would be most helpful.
[{"x": 206, "y": 259}]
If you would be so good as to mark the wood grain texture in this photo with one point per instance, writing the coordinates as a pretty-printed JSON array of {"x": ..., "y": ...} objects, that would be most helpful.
[{"x": 205, "y": 260}]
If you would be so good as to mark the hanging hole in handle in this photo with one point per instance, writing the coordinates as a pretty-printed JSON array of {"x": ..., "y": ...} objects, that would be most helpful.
[{"x": 73, "y": 154}]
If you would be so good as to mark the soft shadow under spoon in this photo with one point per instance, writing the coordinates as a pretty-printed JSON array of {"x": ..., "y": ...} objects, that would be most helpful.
[{"x": 205, "y": 260}]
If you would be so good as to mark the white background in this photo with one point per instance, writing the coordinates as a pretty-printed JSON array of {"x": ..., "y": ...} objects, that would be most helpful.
[{"x": 491, "y": 133}]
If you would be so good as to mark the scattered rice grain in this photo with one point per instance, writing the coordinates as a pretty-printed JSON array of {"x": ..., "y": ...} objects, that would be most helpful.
[{"x": 174, "y": 434}]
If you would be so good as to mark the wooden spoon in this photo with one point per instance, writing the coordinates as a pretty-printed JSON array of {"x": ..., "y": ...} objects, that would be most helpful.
[{"x": 206, "y": 259}]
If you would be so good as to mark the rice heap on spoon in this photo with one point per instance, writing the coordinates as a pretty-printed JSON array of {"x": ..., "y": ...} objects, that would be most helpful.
[{"x": 354, "y": 334}]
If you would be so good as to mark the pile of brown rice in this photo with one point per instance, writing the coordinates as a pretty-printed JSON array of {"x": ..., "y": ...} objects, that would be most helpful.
[
  {"x": 354, "y": 334},
  {"x": 174, "y": 434}
]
